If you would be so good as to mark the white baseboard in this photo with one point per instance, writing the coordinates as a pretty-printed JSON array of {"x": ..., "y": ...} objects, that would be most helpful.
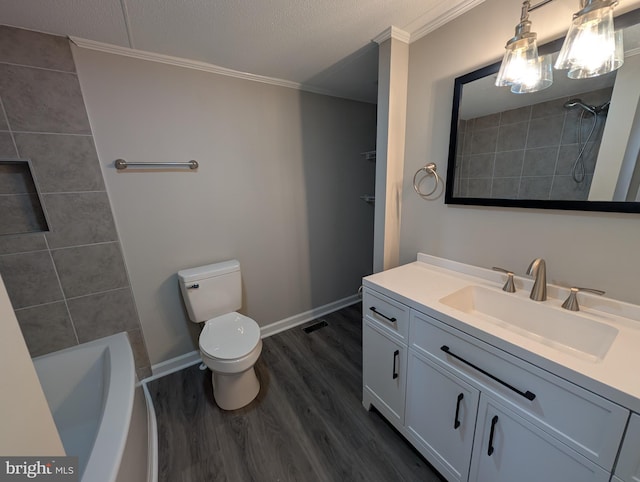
[
  {"x": 181, "y": 362},
  {"x": 287, "y": 323},
  {"x": 176, "y": 364}
]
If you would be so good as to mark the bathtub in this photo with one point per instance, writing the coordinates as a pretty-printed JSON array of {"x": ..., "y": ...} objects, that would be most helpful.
[{"x": 102, "y": 415}]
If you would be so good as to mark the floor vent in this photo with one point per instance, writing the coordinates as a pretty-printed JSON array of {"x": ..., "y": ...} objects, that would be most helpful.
[{"x": 315, "y": 326}]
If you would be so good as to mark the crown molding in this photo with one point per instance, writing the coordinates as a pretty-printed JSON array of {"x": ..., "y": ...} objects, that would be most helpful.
[
  {"x": 392, "y": 32},
  {"x": 202, "y": 66},
  {"x": 180, "y": 62},
  {"x": 446, "y": 16}
]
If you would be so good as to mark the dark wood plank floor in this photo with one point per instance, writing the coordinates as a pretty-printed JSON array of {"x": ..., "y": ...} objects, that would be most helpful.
[{"x": 307, "y": 424}]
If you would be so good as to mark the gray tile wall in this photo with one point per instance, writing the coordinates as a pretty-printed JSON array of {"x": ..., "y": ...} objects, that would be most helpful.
[
  {"x": 528, "y": 153},
  {"x": 68, "y": 285}
]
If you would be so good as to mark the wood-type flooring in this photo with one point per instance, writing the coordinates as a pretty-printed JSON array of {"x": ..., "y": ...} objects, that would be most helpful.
[{"x": 307, "y": 423}]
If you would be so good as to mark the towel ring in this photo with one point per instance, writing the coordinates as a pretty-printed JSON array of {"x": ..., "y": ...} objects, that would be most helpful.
[{"x": 429, "y": 170}]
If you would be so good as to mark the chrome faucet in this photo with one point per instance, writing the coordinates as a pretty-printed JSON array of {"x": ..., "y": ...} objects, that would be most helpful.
[{"x": 538, "y": 269}]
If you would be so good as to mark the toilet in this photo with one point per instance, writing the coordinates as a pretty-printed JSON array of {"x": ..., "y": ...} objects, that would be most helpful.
[{"x": 230, "y": 342}]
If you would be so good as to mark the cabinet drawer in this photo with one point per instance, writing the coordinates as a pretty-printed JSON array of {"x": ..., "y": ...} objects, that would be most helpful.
[
  {"x": 386, "y": 313},
  {"x": 557, "y": 406}
]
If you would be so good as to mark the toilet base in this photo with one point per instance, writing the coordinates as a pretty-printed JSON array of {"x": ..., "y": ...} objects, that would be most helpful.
[{"x": 233, "y": 391}]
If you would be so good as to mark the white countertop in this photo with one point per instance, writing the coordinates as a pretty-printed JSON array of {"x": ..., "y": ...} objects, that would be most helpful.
[{"x": 616, "y": 377}]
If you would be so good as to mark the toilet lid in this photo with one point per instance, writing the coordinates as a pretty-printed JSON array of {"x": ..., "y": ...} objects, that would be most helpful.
[{"x": 229, "y": 336}]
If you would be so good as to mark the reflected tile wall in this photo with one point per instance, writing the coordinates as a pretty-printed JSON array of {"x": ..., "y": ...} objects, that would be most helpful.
[
  {"x": 529, "y": 152},
  {"x": 68, "y": 285}
]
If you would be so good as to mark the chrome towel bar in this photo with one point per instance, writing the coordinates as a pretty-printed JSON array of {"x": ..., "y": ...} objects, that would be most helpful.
[{"x": 122, "y": 164}]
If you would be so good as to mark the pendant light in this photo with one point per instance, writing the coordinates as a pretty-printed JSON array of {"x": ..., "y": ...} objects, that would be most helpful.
[
  {"x": 592, "y": 47},
  {"x": 521, "y": 65},
  {"x": 534, "y": 84}
]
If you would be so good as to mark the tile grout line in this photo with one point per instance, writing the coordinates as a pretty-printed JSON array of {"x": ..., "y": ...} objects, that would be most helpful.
[
  {"x": 44, "y": 133},
  {"x": 85, "y": 245},
  {"x": 555, "y": 166},
  {"x": 39, "y": 305},
  {"x": 6, "y": 118},
  {"x": 70, "y": 192},
  {"x": 64, "y": 297},
  {"x": 19, "y": 194},
  {"x": 495, "y": 153},
  {"x": 39, "y": 68},
  {"x": 99, "y": 293},
  {"x": 73, "y": 298},
  {"x": 524, "y": 152}
]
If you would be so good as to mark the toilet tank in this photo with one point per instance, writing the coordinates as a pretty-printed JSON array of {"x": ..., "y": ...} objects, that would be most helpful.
[{"x": 211, "y": 290}]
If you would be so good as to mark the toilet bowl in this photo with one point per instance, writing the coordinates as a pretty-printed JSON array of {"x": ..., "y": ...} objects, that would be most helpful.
[
  {"x": 230, "y": 345},
  {"x": 230, "y": 342}
]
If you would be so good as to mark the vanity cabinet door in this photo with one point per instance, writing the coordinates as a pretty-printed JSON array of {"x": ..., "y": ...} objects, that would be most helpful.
[
  {"x": 384, "y": 372},
  {"x": 440, "y": 416},
  {"x": 628, "y": 467},
  {"x": 508, "y": 448}
]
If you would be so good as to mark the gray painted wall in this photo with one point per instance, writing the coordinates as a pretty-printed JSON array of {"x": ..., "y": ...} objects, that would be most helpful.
[
  {"x": 70, "y": 285},
  {"x": 278, "y": 188},
  {"x": 598, "y": 250}
]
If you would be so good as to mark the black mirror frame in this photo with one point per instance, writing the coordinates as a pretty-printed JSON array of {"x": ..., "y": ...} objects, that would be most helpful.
[{"x": 625, "y": 20}]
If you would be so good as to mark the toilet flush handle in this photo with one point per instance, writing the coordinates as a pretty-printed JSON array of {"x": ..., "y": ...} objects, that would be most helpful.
[{"x": 193, "y": 286}]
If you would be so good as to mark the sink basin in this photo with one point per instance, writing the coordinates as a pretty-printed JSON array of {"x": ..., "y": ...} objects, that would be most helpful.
[{"x": 563, "y": 330}]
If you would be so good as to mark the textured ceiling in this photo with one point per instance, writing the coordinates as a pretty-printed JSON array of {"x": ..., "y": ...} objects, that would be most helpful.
[{"x": 323, "y": 44}]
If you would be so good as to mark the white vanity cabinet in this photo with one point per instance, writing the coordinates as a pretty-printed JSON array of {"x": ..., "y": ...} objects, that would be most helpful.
[
  {"x": 508, "y": 448},
  {"x": 628, "y": 466},
  {"x": 384, "y": 365},
  {"x": 440, "y": 416},
  {"x": 478, "y": 413},
  {"x": 384, "y": 372}
]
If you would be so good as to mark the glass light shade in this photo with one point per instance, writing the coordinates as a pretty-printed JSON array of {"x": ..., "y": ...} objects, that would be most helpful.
[
  {"x": 591, "y": 48},
  {"x": 532, "y": 84},
  {"x": 519, "y": 64},
  {"x": 612, "y": 63}
]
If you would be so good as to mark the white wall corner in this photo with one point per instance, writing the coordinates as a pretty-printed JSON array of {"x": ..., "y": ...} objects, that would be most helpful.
[
  {"x": 392, "y": 32},
  {"x": 393, "y": 69}
]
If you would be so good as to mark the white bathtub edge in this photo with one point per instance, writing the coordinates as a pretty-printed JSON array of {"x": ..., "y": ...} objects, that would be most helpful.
[
  {"x": 108, "y": 448},
  {"x": 152, "y": 470}
]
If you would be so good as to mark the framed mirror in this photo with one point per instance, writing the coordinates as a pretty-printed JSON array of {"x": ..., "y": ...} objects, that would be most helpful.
[{"x": 574, "y": 145}]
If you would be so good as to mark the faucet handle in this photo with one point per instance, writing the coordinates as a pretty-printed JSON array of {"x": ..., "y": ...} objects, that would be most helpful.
[
  {"x": 509, "y": 287},
  {"x": 571, "y": 303}
]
